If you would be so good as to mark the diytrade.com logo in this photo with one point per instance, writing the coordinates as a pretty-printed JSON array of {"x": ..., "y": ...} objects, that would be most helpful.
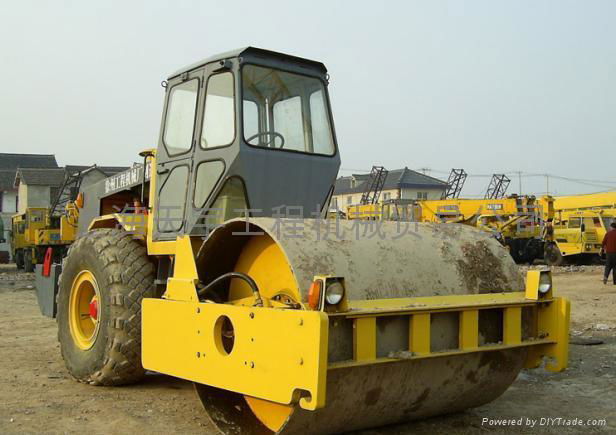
[{"x": 543, "y": 422}]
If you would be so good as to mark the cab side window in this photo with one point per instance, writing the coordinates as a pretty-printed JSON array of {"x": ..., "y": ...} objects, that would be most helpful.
[
  {"x": 172, "y": 199},
  {"x": 219, "y": 117},
  {"x": 575, "y": 222},
  {"x": 180, "y": 119}
]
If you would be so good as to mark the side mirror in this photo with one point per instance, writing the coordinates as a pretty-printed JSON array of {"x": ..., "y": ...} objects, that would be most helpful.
[{"x": 583, "y": 227}]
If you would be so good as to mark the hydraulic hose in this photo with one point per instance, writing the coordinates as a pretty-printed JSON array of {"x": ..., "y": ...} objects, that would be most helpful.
[{"x": 228, "y": 276}]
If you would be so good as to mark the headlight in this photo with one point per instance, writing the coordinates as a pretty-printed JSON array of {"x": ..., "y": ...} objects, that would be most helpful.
[
  {"x": 334, "y": 293},
  {"x": 545, "y": 283}
]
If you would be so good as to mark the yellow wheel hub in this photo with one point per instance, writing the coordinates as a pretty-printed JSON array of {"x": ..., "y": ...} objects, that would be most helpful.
[{"x": 84, "y": 313}]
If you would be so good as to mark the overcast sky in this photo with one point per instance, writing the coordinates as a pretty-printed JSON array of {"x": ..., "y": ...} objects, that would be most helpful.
[{"x": 489, "y": 86}]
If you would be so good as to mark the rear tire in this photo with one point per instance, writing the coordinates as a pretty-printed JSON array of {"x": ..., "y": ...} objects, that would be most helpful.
[
  {"x": 553, "y": 256},
  {"x": 28, "y": 263},
  {"x": 514, "y": 250},
  {"x": 58, "y": 254},
  {"x": 19, "y": 259},
  {"x": 124, "y": 275}
]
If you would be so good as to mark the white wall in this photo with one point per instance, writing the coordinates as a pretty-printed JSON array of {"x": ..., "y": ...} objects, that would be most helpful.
[
  {"x": 33, "y": 196},
  {"x": 23, "y": 198},
  {"x": 343, "y": 200},
  {"x": 414, "y": 193},
  {"x": 92, "y": 177},
  {"x": 9, "y": 202},
  {"x": 389, "y": 194},
  {"x": 9, "y": 205},
  {"x": 393, "y": 194},
  {"x": 435, "y": 194}
]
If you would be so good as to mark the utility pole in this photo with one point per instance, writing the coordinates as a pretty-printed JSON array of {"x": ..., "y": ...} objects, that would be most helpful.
[
  {"x": 519, "y": 181},
  {"x": 547, "y": 184}
]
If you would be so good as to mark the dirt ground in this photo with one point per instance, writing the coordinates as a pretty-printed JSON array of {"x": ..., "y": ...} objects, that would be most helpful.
[{"x": 37, "y": 395}]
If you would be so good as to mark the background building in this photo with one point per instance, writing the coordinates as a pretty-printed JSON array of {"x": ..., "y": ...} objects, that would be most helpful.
[
  {"x": 400, "y": 183},
  {"x": 9, "y": 202},
  {"x": 37, "y": 187},
  {"x": 34, "y": 180},
  {"x": 40, "y": 187}
]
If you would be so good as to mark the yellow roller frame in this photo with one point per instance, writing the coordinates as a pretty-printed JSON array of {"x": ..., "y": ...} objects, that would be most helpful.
[{"x": 277, "y": 355}]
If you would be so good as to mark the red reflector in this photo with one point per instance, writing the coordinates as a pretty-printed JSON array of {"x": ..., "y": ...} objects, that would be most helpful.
[
  {"x": 47, "y": 262},
  {"x": 314, "y": 294},
  {"x": 94, "y": 309}
]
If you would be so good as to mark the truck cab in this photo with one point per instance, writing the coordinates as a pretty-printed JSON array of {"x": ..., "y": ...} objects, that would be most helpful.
[{"x": 577, "y": 237}]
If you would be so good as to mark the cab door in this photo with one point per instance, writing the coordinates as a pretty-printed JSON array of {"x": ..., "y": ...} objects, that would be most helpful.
[
  {"x": 216, "y": 145},
  {"x": 175, "y": 151}
]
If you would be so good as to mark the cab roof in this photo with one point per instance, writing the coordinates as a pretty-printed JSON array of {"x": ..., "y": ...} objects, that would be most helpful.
[{"x": 254, "y": 53}]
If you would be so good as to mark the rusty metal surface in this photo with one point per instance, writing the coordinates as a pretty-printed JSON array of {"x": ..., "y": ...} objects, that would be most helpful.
[
  {"x": 431, "y": 259},
  {"x": 377, "y": 395}
]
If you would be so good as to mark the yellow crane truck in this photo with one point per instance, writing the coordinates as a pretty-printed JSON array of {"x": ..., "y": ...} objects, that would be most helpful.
[
  {"x": 42, "y": 232},
  {"x": 577, "y": 236},
  {"x": 218, "y": 270},
  {"x": 579, "y": 225},
  {"x": 516, "y": 221},
  {"x": 31, "y": 236},
  {"x": 394, "y": 209},
  {"x": 23, "y": 233},
  {"x": 37, "y": 233},
  {"x": 591, "y": 201}
]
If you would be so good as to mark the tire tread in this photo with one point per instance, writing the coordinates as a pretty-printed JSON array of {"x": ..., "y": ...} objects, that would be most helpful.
[{"x": 130, "y": 278}]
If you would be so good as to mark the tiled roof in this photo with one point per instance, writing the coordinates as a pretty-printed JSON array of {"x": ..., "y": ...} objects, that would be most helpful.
[
  {"x": 40, "y": 169},
  {"x": 397, "y": 178},
  {"x": 55, "y": 177},
  {"x": 9, "y": 162},
  {"x": 7, "y": 178},
  {"x": 40, "y": 177},
  {"x": 14, "y": 161}
]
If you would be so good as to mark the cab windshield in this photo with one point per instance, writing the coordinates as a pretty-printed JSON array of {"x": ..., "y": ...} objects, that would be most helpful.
[
  {"x": 607, "y": 221},
  {"x": 285, "y": 111}
]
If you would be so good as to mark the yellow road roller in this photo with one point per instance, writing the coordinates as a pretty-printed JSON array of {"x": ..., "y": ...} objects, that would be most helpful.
[{"x": 213, "y": 261}]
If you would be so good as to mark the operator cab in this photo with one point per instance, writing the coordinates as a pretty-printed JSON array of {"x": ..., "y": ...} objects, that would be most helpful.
[{"x": 248, "y": 132}]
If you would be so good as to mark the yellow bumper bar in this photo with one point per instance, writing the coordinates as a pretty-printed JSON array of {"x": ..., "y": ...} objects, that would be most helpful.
[{"x": 547, "y": 331}]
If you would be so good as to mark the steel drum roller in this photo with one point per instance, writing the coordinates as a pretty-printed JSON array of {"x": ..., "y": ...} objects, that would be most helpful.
[{"x": 392, "y": 261}]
